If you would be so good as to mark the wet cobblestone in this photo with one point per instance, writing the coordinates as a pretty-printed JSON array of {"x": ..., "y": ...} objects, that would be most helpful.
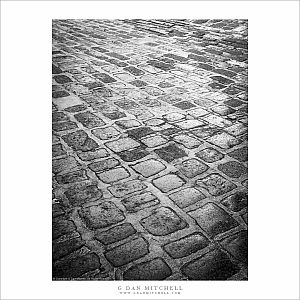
[{"x": 150, "y": 121}]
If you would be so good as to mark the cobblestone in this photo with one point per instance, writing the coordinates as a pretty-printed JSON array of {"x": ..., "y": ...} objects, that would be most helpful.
[
  {"x": 149, "y": 167},
  {"x": 209, "y": 155},
  {"x": 192, "y": 167},
  {"x": 75, "y": 267},
  {"x": 237, "y": 245},
  {"x": 214, "y": 265},
  {"x": 233, "y": 169},
  {"x": 186, "y": 245},
  {"x": 122, "y": 189},
  {"x": 163, "y": 221},
  {"x": 186, "y": 197},
  {"x": 168, "y": 182},
  {"x": 115, "y": 234},
  {"x": 101, "y": 215},
  {"x": 237, "y": 201},
  {"x": 113, "y": 175},
  {"x": 140, "y": 201},
  {"x": 156, "y": 269},
  {"x": 122, "y": 145},
  {"x": 80, "y": 194},
  {"x": 215, "y": 184},
  {"x": 79, "y": 140},
  {"x": 128, "y": 252},
  {"x": 213, "y": 219},
  {"x": 170, "y": 152},
  {"x": 149, "y": 149}
]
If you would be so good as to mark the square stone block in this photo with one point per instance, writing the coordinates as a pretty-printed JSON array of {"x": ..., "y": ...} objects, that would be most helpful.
[
  {"x": 149, "y": 167},
  {"x": 125, "y": 188},
  {"x": 215, "y": 184},
  {"x": 122, "y": 144},
  {"x": 189, "y": 124},
  {"x": 105, "y": 133},
  {"x": 186, "y": 197},
  {"x": 168, "y": 182},
  {"x": 113, "y": 175},
  {"x": 163, "y": 221},
  {"x": 127, "y": 252},
  {"x": 240, "y": 154},
  {"x": 213, "y": 219},
  {"x": 209, "y": 155},
  {"x": 233, "y": 169},
  {"x": 102, "y": 215},
  {"x": 187, "y": 141},
  {"x": 154, "y": 141},
  {"x": 224, "y": 140},
  {"x": 214, "y": 265},
  {"x": 192, "y": 167},
  {"x": 140, "y": 201},
  {"x": 170, "y": 152},
  {"x": 156, "y": 269}
]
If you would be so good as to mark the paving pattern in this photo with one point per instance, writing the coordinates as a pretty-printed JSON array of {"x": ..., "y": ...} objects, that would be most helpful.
[{"x": 149, "y": 149}]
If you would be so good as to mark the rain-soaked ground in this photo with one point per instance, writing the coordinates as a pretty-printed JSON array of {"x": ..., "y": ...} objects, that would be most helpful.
[{"x": 150, "y": 149}]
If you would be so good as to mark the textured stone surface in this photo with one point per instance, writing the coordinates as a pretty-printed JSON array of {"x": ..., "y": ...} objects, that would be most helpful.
[
  {"x": 240, "y": 154},
  {"x": 209, "y": 155},
  {"x": 156, "y": 269},
  {"x": 79, "y": 140},
  {"x": 215, "y": 184},
  {"x": 213, "y": 219},
  {"x": 187, "y": 245},
  {"x": 128, "y": 252},
  {"x": 237, "y": 245},
  {"x": 122, "y": 144},
  {"x": 214, "y": 265},
  {"x": 101, "y": 215},
  {"x": 80, "y": 194},
  {"x": 123, "y": 189},
  {"x": 237, "y": 201},
  {"x": 192, "y": 167},
  {"x": 163, "y": 221},
  {"x": 115, "y": 234},
  {"x": 75, "y": 267},
  {"x": 233, "y": 169},
  {"x": 186, "y": 197},
  {"x": 149, "y": 167},
  {"x": 168, "y": 182},
  {"x": 149, "y": 149},
  {"x": 113, "y": 175},
  {"x": 140, "y": 201},
  {"x": 170, "y": 152}
]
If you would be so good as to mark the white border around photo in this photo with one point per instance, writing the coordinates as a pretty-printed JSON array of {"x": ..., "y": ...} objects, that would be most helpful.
[{"x": 273, "y": 146}]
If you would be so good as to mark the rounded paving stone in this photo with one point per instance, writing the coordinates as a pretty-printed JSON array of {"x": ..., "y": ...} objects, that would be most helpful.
[
  {"x": 192, "y": 167},
  {"x": 237, "y": 245},
  {"x": 209, "y": 155},
  {"x": 101, "y": 215},
  {"x": 163, "y": 221},
  {"x": 233, "y": 169},
  {"x": 215, "y": 184},
  {"x": 186, "y": 197},
  {"x": 214, "y": 265},
  {"x": 149, "y": 167},
  {"x": 127, "y": 252},
  {"x": 213, "y": 219},
  {"x": 113, "y": 175},
  {"x": 187, "y": 245},
  {"x": 156, "y": 269},
  {"x": 168, "y": 182}
]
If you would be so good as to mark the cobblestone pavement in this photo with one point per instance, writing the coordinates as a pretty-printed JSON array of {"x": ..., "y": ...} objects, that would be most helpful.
[{"x": 150, "y": 149}]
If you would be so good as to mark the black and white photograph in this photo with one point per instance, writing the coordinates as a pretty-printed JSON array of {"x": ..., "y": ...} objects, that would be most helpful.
[
  {"x": 134, "y": 134},
  {"x": 150, "y": 152}
]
